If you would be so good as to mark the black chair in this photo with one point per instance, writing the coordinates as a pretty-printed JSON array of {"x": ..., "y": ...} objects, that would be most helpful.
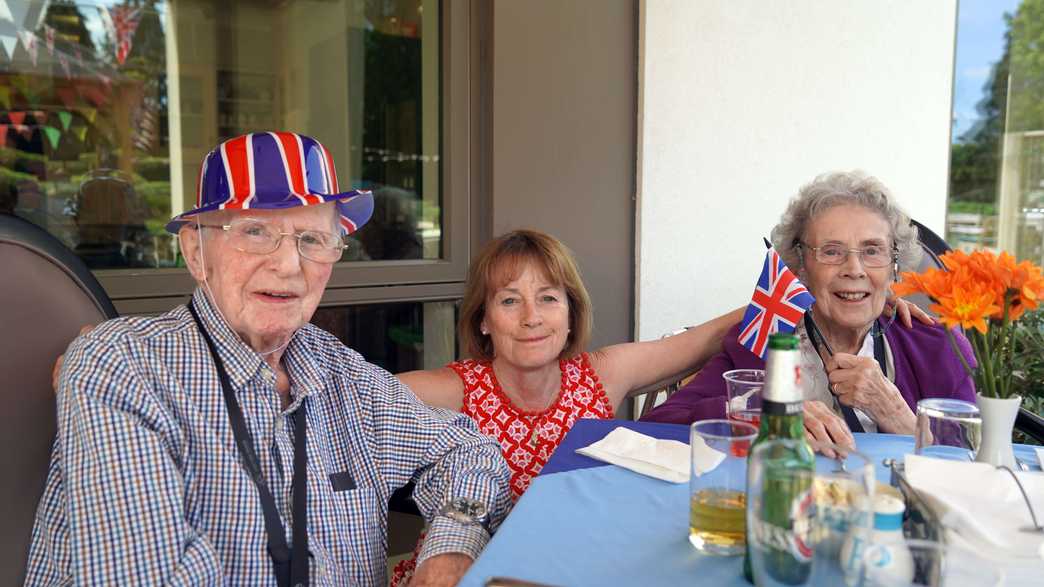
[
  {"x": 934, "y": 247},
  {"x": 46, "y": 295}
]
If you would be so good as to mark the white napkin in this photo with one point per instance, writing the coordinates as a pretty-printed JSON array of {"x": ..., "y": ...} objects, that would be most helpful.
[
  {"x": 663, "y": 459},
  {"x": 982, "y": 503}
]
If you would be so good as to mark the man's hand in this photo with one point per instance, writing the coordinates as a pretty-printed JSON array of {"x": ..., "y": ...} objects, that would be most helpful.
[
  {"x": 859, "y": 382},
  {"x": 58, "y": 362},
  {"x": 441, "y": 569},
  {"x": 823, "y": 426}
]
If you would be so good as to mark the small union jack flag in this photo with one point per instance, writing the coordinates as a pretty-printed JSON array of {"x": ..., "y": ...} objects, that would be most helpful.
[{"x": 779, "y": 302}]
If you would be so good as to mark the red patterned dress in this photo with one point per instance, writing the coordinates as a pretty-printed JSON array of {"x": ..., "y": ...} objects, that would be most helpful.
[{"x": 526, "y": 438}]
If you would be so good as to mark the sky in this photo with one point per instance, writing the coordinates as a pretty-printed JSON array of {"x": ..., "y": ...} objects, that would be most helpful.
[{"x": 980, "y": 43}]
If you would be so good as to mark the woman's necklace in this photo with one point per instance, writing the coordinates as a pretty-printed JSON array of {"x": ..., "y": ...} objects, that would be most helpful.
[
  {"x": 534, "y": 427},
  {"x": 535, "y": 421}
]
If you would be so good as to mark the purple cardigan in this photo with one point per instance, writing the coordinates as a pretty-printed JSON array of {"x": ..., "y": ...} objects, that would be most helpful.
[{"x": 924, "y": 359}]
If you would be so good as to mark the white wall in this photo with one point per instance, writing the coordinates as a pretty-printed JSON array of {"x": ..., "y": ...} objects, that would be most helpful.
[{"x": 743, "y": 101}]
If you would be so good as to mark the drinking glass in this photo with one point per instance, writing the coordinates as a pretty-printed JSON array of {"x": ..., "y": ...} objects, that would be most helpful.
[
  {"x": 947, "y": 429},
  {"x": 800, "y": 520},
  {"x": 917, "y": 563},
  {"x": 744, "y": 393},
  {"x": 843, "y": 492},
  {"x": 717, "y": 498}
]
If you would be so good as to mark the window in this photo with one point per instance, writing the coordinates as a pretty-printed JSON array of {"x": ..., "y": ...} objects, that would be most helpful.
[
  {"x": 107, "y": 108},
  {"x": 997, "y": 157}
]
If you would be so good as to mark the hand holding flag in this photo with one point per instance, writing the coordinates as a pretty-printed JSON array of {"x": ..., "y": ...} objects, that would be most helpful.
[{"x": 778, "y": 303}]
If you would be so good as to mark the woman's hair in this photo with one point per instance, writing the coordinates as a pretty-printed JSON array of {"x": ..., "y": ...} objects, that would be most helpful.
[
  {"x": 501, "y": 261},
  {"x": 835, "y": 189}
]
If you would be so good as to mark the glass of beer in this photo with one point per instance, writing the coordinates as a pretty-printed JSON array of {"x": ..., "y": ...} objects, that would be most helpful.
[
  {"x": 717, "y": 494},
  {"x": 744, "y": 395}
]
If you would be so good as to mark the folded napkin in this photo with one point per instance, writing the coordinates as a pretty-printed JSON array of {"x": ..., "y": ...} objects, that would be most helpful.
[
  {"x": 983, "y": 504},
  {"x": 664, "y": 459}
]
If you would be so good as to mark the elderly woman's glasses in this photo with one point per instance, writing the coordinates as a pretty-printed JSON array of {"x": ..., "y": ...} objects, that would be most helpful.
[
  {"x": 835, "y": 254},
  {"x": 260, "y": 238}
]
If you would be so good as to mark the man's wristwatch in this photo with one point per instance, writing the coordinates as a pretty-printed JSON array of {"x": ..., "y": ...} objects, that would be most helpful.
[{"x": 466, "y": 511}]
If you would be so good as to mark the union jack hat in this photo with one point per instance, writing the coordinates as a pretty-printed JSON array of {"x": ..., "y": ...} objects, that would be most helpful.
[{"x": 273, "y": 170}]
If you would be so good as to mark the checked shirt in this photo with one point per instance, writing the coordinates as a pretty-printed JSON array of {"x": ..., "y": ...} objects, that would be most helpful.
[{"x": 146, "y": 486}]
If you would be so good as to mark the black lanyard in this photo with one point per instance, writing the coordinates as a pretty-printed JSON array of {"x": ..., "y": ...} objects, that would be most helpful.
[
  {"x": 291, "y": 568},
  {"x": 814, "y": 335}
]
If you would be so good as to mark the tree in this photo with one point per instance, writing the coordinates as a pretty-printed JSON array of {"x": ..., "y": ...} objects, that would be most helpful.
[
  {"x": 975, "y": 158},
  {"x": 1026, "y": 49}
]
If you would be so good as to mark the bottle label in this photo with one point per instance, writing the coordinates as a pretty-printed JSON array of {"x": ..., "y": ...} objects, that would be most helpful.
[
  {"x": 781, "y": 408},
  {"x": 795, "y": 539},
  {"x": 782, "y": 377}
]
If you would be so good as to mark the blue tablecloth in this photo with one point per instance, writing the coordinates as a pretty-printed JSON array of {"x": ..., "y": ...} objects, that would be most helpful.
[{"x": 584, "y": 523}]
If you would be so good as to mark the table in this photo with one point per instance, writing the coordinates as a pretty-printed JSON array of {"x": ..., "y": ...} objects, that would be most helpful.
[{"x": 583, "y": 522}]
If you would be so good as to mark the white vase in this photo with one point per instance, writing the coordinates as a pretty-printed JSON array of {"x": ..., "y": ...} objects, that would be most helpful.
[{"x": 998, "y": 421}]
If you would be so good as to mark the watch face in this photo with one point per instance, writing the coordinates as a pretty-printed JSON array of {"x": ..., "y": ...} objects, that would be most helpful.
[{"x": 465, "y": 511}]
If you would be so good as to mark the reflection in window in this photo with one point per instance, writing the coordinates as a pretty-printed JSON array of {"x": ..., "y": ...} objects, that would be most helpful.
[
  {"x": 397, "y": 336},
  {"x": 107, "y": 107},
  {"x": 997, "y": 157}
]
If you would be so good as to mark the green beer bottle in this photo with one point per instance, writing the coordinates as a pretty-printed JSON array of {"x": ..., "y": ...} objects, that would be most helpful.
[{"x": 785, "y": 495}]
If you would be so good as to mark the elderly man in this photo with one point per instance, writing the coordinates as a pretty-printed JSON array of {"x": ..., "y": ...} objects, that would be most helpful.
[{"x": 231, "y": 442}]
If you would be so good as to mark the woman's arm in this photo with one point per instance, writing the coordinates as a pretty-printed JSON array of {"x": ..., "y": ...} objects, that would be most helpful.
[
  {"x": 629, "y": 366},
  {"x": 441, "y": 388}
]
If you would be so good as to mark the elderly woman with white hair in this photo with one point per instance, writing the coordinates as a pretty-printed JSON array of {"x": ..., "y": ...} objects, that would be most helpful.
[{"x": 846, "y": 239}]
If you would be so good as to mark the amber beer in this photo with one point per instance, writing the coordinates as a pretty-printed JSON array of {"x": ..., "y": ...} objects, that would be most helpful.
[
  {"x": 779, "y": 530},
  {"x": 717, "y": 517}
]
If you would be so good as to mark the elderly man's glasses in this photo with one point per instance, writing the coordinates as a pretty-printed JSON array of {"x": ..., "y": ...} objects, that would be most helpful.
[
  {"x": 835, "y": 254},
  {"x": 260, "y": 238}
]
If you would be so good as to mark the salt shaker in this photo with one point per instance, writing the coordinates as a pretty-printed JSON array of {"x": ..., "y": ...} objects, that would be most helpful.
[{"x": 887, "y": 559}]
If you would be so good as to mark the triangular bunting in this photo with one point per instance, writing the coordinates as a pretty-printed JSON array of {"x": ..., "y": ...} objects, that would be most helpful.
[
  {"x": 49, "y": 38},
  {"x": 9, "y": 42},
  {"x": 65, "y": 119},
  {"x": 125, "y": 21},
  {"x": 53, "y": 135},
  {"x": 5, "y": 97},
  {"x": 29, "y": 42},
  {"x": 16, "y": 11},
  {"x": 16, "y": 117},
  {"x": 106, "y": 20},
  {"x": 89, "y": 114},
  {"x": 3, "y": 136},
  {"x": 20, "y": 83},
  {"x": 80, "y": 132}
]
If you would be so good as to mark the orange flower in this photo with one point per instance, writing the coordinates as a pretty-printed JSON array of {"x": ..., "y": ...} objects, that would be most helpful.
[
  {"x": 934, "y": 283},
  {"x": 1026, "y": 287},
  {"x": 967, "y": 307},
  {"x": 976, "y": 287}
]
